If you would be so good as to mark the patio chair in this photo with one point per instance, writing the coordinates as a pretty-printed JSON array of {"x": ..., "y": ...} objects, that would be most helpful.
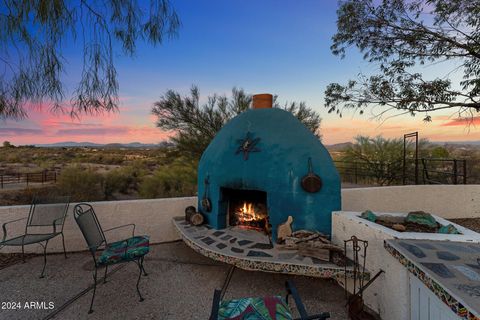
[
  {"x": 45, "y": 221},
  {"x": 132, "y": 249},
  {"x": 272, "y": 307}
]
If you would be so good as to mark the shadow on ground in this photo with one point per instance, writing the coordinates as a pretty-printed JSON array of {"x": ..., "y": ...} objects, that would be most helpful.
[{"x": 180, "y": 285}]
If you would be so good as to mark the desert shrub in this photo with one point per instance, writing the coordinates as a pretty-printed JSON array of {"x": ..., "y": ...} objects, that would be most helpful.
[
  {"x": 172, "y": 180},
  {"x": 25, "y": 196},
  {"x": 124, "y": 180},
  {"x": 82, "y": 184}
]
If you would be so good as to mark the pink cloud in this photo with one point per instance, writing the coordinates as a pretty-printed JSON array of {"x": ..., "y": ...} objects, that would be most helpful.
[{"x": 462, "y": 122}]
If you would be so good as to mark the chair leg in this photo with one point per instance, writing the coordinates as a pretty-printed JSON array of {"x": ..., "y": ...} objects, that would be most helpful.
[
  {"x": 140, "y": 267},
  {"x": 23, "y": 253},
  {"x": 143, "y": 268},
  {"x": 105, "y": 276},
  {"x": 94, "y": 289},
  {"x": 44, "y": 259},
  {"x": 63, "y": 242}
]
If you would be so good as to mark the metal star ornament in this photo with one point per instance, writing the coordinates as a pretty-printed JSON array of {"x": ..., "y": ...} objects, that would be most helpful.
[{"x": 247, "y": 145}]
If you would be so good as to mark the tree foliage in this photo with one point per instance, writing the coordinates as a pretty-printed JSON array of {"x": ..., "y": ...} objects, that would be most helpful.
[
  {"x": 32, "y": 34},
  {"x": 7, "y": 144},
  {"x": 197, "y": 124},
  {"x": 377, "y": 157},
  {"x": 176, "y": 179},
  {"x": 395, "y": 36}
]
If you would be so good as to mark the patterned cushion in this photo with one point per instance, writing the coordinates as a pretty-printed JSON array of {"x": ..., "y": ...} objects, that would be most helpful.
[
  {"x": 268, "y": 308},
  {"x": 115, "y": 252}
]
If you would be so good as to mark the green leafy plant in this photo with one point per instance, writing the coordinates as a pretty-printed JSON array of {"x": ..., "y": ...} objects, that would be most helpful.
[
  {"x": 81, "y": 184},
  {"x": 173, "y": 180}
]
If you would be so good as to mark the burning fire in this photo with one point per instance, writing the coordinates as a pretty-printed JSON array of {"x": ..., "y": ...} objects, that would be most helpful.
[{"x": 247, "y": 212}]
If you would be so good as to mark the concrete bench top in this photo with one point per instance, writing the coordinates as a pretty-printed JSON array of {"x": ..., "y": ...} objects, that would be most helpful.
[{"x": 449, "y": 269}]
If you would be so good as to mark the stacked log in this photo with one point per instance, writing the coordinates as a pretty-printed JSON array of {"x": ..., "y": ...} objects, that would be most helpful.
[{"x": 312, "y": 244}]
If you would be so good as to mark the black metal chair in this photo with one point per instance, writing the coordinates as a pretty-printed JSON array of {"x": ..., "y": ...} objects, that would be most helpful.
[
  {"x": 273, "y": 307},
  {"x": 132, "y": 249},
  {"x": 44, "y": 213}
]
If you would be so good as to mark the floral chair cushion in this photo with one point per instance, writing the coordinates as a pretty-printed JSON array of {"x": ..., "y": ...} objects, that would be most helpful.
[
  {"x": 268, "y": 308},
  {"x": 125, "y": 250}
]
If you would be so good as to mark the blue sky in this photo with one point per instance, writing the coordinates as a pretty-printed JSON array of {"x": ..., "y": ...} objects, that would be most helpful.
[{"x": 280, "y": 47}]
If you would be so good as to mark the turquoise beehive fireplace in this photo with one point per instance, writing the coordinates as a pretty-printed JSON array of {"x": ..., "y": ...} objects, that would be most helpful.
[{"x": 260, "y": 157}]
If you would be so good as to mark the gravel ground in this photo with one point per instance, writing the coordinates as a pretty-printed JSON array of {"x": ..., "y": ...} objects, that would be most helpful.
[
  {"x": 470, "y": 223},
  {"x": 180, "y": 285}
]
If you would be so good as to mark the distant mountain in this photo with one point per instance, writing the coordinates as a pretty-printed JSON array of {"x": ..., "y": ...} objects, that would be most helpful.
[
  {"x": 463, "y": 143},
  {"x": 72, "y": 144},
  {"x": 338, "y": 146}
]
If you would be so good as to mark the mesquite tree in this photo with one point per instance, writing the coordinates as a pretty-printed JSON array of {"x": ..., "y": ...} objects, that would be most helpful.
[
  {"x": 32, "y": 37},
  {"x": 196, "y": 124},
  {"x": 397, "y": 35}
]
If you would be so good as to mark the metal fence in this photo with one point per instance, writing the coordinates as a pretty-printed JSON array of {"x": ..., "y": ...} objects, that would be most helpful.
[
  {"x": 17, "y": 178},
  {"x": 423, "y": 171}
]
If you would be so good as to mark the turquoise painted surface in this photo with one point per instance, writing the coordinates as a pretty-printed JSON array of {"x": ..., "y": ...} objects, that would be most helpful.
[{"x": 286, "y": 144}]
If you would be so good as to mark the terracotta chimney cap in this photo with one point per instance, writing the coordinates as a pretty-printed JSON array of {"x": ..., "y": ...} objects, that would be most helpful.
[{"x": 262, "y": 101}]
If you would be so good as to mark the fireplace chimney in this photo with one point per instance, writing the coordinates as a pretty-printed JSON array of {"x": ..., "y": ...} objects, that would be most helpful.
[{"x": 262, "y": 101}]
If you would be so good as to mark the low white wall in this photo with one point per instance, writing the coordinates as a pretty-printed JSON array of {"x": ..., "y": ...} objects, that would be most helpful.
[
  {"x": 389, "y": 295},
  {"x": 446, "y": 201},
  {"x": 152, "y": 217}
]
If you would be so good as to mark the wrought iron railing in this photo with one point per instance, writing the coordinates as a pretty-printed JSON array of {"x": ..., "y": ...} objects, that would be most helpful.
[
  {"x": 429, "y": 171},
  {"x": 20, "y": 178}
]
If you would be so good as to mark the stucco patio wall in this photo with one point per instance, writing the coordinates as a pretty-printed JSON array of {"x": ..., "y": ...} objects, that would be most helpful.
[
  {"x": 446, "y": 201},
  {"x": 152, "y": 217}
]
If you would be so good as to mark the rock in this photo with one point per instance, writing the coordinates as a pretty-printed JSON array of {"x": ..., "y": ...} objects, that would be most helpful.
[
  {"x": 369, "y": 215},
  {"x": 422, "y": 218},
  {"x": 399, "y": 227},
  {"x": 391, "y": 219},
  {"x": 448, "y": 229}
]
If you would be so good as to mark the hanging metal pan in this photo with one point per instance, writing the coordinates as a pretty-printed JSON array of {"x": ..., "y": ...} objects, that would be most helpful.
[
  {"x": 206, "y": 203},
  {"x": 311, "y": 182}
]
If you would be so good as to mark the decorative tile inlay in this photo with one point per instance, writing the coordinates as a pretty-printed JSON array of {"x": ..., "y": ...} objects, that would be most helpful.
[
  {"x": 237, "y": 250},
  {"x": 286, "y": 265},
  {"x": 221, "y": 245},
  {"x": 448, "y": 256},
  {"x": 467, "y": 272},
  {"x": 244, "y": 242},
  {"x": 233, "y": 240},
  {"x": 226, "y": 237},
  {"x": 218, "y": 233},
  {"x": 473, "y": 291},
  {"x": 261, "y": 246},
  {"x": 208, "y": 240},
  {"x": 458, "y": 248},
  {"x": 475, "y": 266},
  {"x": 253, "y": 253},
  {"x": 416, "y": 251},
  {"x": 439, "y": 269}
]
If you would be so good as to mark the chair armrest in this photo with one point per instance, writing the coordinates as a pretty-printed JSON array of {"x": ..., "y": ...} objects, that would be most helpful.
[
  {"x": 123, "y": 226},
  {"x": 215, "y": 305},
  {"x": 55, "y": 223},
  {"x": 4, "y": 227}
]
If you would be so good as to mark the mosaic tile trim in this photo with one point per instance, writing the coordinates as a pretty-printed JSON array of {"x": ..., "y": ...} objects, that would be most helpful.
[
  {"x": 437, "y": 289},
  {"x": 267, "y": 266}
]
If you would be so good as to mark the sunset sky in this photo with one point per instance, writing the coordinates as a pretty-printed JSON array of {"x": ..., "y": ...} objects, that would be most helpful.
[{"x": 279, "y": 47}]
